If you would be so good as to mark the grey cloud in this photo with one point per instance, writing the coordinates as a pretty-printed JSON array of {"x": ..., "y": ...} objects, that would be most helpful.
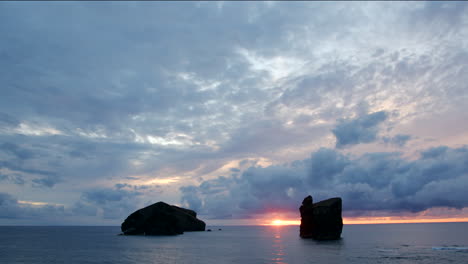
[
  {"x": 19, "y": 175},
  {"x": 48, "y": 160},
  {"x": 257, "y": 190},
  {"x": 435, "y": 152},
  {"x": 86, "y": 209},
  {"x": 106, "y": 85},
  {"x": 190, "y": 197},
  {"x": 17, "y": 167},
  {"x": 13, "y": 178},
  {"x": 8, "y": 121},
  {"x": 444, "y": 165},
  {"x": 122, "y": 185},
  {"x": 442, "y": 16},
  {"x": 324, "y": 165},
  {"x": 81, "y": 89},
  {"x": 399, "y": 140},
  {"x": 362, "y": 129},
  {"x": 130, "y": 78},
  {"x": 109, "y": 203},
  {"x": 21, "y": 164},
  {"x": 370, "y": 182},
  {"x": 16, "y": 150},
  {"x": 127, "y": 186},
  {"x": 10, "y": 208},
  {"x": 46, "y": 182},
  {"x": 103, "y": 196}
]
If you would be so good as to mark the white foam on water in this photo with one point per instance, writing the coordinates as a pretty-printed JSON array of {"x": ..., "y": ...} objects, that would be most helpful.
[
  {"x": 449, "y": 248},
  {"x": 386, "y": 250}
]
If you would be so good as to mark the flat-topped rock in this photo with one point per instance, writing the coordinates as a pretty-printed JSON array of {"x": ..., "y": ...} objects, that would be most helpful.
[
  {"x": 322, "y": 220},
  {"x": 162, "y": 219}
]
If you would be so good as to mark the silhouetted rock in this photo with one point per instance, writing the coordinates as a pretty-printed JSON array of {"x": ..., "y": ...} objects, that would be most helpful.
[
  {"x": 162, "y": 219},
  {"x": 209, "y": 230},
  {"x": 322, "y": 220}
]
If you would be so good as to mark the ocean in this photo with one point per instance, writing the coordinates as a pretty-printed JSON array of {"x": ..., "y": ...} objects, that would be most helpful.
[{"x": 385, "y": 243}]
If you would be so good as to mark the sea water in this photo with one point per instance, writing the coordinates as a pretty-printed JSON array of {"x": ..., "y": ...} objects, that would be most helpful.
[{"x": 390, "y": 243}]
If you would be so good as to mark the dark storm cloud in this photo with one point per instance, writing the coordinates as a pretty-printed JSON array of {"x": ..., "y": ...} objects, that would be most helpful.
[
  {"x": 362, "y": 129},
  {"x": 370, "y": 182}
]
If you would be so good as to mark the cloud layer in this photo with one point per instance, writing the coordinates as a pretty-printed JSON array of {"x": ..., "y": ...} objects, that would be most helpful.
[
  {"x": 106, "y": 107},
  {"x": 359, "y": 130},
  {"x": 369, "y": 182}
]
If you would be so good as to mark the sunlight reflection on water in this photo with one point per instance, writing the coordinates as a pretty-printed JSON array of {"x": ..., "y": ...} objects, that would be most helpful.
[{"x": 278, "y": 247}]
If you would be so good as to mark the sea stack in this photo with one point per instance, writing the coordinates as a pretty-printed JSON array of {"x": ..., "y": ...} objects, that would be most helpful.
[
  {"x": 162, "y": 219},
  {"x": 322, "y": 220}
]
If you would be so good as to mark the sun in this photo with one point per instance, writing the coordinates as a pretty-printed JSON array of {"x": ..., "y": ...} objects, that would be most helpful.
[{"x": 277, "y": 222}]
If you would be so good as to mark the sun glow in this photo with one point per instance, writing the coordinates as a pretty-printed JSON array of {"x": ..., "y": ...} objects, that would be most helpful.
[
  {"x": 370, "y": 220},
  {"x": 390, "y": 220},
  {"x": 278, "y": 222}
]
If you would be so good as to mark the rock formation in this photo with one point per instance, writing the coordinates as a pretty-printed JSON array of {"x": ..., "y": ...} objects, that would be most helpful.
[
  {"x": 162, "y": 219},
  {"x": 322, "y": 220}
]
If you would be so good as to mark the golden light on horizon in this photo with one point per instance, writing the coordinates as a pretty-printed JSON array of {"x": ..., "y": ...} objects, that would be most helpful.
[
  {"x": 390, "y": 220},
  {"x": 276, "y": 222},
  {"x": 433, "y": 215},
  {"x": 279, "y": 222},
  {"x": 370, "y": 220}
]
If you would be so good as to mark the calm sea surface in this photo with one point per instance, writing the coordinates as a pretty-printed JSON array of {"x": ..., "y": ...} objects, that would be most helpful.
[{"x": 395, "y": 243}]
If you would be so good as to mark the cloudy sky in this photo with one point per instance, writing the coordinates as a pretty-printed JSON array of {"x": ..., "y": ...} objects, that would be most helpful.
[{"x": 237, "y": 110}]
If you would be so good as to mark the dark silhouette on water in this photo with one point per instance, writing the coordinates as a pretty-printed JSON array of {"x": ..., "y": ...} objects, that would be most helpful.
[
  {"x": 322, "y": 220},
  {"x": 162, "y": 219}
]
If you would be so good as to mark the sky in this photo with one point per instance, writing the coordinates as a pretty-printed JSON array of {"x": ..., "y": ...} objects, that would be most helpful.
[{"x": 237, "y": 110}]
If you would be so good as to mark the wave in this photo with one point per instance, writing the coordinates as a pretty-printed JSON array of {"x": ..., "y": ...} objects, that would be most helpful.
[
  {"x": 387, "y": 250},
  {"x": 449, "y": 248}
]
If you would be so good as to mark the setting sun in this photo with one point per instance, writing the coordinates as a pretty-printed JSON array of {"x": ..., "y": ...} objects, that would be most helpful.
[{"x": 278, "y": 222}]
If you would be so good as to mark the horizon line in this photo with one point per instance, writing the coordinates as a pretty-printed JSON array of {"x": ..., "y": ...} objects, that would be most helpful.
[{"x": 363, "y": 223}]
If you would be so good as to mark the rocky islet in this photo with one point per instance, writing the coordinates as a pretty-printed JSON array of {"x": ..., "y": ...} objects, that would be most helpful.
[
  {"x": 321, "y": 220},
  {"x": 162, "y": 219}
]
